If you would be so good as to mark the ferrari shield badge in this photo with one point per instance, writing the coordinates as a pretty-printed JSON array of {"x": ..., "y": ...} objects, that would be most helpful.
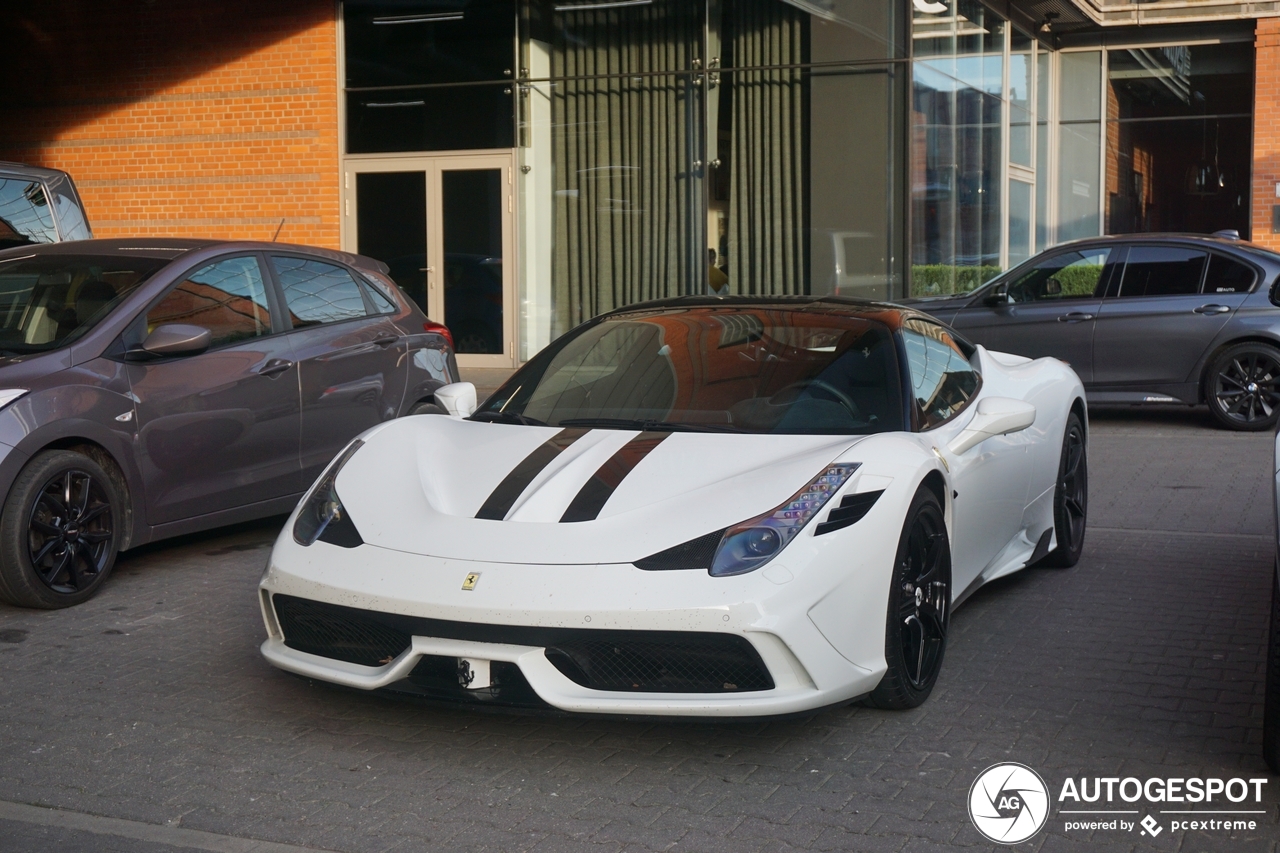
[{"x": 470, "y": 582}]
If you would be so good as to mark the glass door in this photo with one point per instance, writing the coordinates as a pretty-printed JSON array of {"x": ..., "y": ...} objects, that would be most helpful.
[{"x": 445, "y": 227}]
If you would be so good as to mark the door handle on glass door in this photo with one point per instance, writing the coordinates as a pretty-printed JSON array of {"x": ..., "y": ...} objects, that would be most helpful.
[
  {"x": 1212, "y": 309},
  {"x": 1075, "y": 317},
  {"x": 275, "y": 367}
]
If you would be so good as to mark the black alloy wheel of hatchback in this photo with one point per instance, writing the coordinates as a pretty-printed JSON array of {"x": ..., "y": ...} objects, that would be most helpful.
[
  {"x": 70, "y": 531},
  {"x": 1244, "y": 387}
]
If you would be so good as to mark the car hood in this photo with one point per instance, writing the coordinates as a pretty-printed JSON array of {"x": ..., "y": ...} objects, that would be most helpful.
[{"x": 418, "y": 484}]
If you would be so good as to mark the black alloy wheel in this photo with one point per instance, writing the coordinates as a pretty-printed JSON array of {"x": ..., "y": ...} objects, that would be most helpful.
[
  {"x": 1242, "y": 387},
  {"x": 919, "y": 608},
  {"x": 1070, "y": 497},
  {"x": 60, "y": 531}
]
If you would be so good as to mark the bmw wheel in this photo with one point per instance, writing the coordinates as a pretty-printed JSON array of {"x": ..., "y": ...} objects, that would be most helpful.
[
  {"x": 1242, "y": 387},
  {"x": 60, "y": 531},
  {"x": 919, "y": 608},
  {"x": 1070, "y": 497}
]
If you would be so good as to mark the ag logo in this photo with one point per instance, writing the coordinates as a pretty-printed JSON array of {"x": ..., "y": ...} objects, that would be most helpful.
[{"x": 1008, "y": 803}]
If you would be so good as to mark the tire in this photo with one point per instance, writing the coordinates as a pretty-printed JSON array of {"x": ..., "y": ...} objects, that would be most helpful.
[
  {"x": 57, "y": 551},
  {"x": 1242, "y": 386},
  {"x": 1070, "y": 497},
  {"x": 1271, "y": 711},
  {"x": 919, "y": 613},
  {"x": 426, "y": 409}
]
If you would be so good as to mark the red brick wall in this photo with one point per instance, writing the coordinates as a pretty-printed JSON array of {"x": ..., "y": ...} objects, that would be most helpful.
[
  {"x": 183, "y": 118},
  {"x": 1266, "y": 130}
]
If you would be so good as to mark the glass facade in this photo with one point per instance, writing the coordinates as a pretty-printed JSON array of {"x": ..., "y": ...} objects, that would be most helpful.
[{"x": 670, "y": 147}]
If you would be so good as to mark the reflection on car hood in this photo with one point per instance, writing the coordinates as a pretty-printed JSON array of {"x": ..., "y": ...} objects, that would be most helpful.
[{"x": 419, "y": 484}]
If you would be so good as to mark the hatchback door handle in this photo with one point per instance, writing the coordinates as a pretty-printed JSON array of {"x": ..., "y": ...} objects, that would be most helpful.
[
  {"x": 1213, "y": 308},
  {"x": 1075, "y": 317},
  {"x": 275, "y": 367},
  {"x": 386, "y": 341}
]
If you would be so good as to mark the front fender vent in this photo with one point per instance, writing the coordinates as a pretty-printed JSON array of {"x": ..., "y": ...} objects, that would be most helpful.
[
  {"x": 694, "y": 554},
  {"x": 851, "y": 510}
]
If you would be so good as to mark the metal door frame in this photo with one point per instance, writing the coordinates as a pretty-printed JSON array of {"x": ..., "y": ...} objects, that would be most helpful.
[{"x": 434, "y": 165}]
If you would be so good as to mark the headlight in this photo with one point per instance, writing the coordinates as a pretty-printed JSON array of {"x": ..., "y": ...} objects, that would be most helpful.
[
  {"x": 322, "y": 516},
  {"x": 747, "y": 546},
  {"x": 8, "y": 395}
]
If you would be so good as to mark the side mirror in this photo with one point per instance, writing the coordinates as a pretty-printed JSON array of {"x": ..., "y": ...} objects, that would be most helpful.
[
  {"x": 458, "y": 399},
  {"x": 177, "y": 339},
  {"x": 995, "y": 416},
  {"x": 999, "y": 295}
]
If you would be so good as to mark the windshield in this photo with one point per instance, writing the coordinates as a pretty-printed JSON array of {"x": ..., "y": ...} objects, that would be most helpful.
[
  {"x": 746, "y": 369},
  {"x": 48, "y": 301}
]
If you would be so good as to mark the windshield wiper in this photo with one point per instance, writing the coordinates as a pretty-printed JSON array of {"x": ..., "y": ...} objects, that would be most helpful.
[
  {"x": 506, "y": 418},
  {"x": 647, "y": 424}
]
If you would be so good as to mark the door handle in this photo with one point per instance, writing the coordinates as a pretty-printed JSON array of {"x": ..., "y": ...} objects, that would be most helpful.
[
  {"x": 1212, "y": 308},
  {"x": 1075, "y": 317},
  {"x": 275, "y": 367},
  {"x": 386, "y": 341}
]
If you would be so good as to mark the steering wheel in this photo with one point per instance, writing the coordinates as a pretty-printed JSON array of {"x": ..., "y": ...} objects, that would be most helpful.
[{"x": 842, "y": 398}]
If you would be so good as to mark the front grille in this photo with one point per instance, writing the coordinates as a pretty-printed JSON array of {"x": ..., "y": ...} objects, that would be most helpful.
[
  {"x": 694, "y": 554},
  {"x": 639, "y": 661},
  {"x": 337, "y": 632},
  {"x": 693, "y": 663}
]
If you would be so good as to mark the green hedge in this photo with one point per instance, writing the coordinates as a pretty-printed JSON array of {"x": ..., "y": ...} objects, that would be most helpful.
[{"x": 943, "y": 279}]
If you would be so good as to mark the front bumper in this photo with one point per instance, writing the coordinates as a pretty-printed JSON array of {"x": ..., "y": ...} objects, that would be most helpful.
[{"x": 775, "y": 617}]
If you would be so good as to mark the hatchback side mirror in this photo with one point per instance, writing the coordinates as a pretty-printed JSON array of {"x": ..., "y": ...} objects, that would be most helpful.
[
  {"x": 458, "y": 399},
  {"x": 995, "y": 416},
  {"x": 177, "y": 339}
]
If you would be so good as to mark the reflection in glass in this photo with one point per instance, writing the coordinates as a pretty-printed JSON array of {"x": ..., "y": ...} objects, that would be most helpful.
[
  {"x": 316, "y": 292},
  {"x": 471, "y": 202},
  {"x": 1021, "y": 82},
  {"x": 1019, "y": 221},
  {"x": 391, "y": 209},
  {"x": 1079, "y": 138},
  {"x": 227, "y": 298},
  {"x": 956, "y": 149},
  {"x": 24, "y": 214}
]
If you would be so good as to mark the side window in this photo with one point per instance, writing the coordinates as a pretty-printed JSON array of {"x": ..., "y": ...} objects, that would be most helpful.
[
  {"x": 316, "y": 292},
  {"x": 1228, "y": 276},
  {"x": 1162, "y": 271},
  {"x": 1071, "y": 275},
  {"x": 382, "y": 304},
  {"x": 25, "y": 216},
  {"x": 942, "y": 380},
  {"x": 228, "y": 298}
]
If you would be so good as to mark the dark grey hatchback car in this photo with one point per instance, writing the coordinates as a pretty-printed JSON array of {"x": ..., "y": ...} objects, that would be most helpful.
[
  {"x": 1142, "y": 319},
  {"x": 159, "y": 387}
]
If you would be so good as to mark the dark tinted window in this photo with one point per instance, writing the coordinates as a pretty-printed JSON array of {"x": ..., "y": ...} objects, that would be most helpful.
[
  {"x": 392, "y": 43},
  {"x": 1072, "y": 275},
  {"x": 25, "y": 216},
  {"x": 736, "y": 369},
  {"x": 1228, "y": 276},
  {"x": 228, "y": 298},
  {"x": 382, "y": 304},
  {"x": 316, "y": 292},
  {"x": 46, "y": 302},
  {"x": 409, "y": 119},
  {"x": 1162, "y": 271},
  {"x": 942, "y": 379}
]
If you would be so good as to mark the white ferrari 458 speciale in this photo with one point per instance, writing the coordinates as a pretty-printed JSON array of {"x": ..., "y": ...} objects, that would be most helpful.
[{"x": 704, "y": 506}]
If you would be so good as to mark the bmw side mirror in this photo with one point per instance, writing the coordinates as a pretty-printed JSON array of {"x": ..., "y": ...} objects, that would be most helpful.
[
  {"x": 999, "y": 295},
  {"x": 173, "y": 339},
  {"x": 458, "y": 399},
  {"x": 995, "y": 416}
]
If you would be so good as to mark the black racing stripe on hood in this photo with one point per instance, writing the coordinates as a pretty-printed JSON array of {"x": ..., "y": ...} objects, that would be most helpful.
[
  {"x": 513, "y": 485},
  {"x": 597, "y": 491}
]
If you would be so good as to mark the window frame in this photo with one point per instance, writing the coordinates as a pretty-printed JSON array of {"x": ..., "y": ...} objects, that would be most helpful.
[
  {"x": 48, "y": 200},
  {"x": 908, "y": 390},
  {"x": 129, "y": 346},
  {"x": 369, "y": 312}
]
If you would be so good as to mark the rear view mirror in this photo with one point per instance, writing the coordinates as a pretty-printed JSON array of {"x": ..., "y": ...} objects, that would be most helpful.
[
  {"x": 177, "y": 339},
  {"x": 458, "y": 399},
  {"x": 995, "y": 416}
]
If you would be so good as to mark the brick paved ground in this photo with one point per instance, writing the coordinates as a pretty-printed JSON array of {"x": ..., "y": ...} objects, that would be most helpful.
[{"x": 151, "y": 704}]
